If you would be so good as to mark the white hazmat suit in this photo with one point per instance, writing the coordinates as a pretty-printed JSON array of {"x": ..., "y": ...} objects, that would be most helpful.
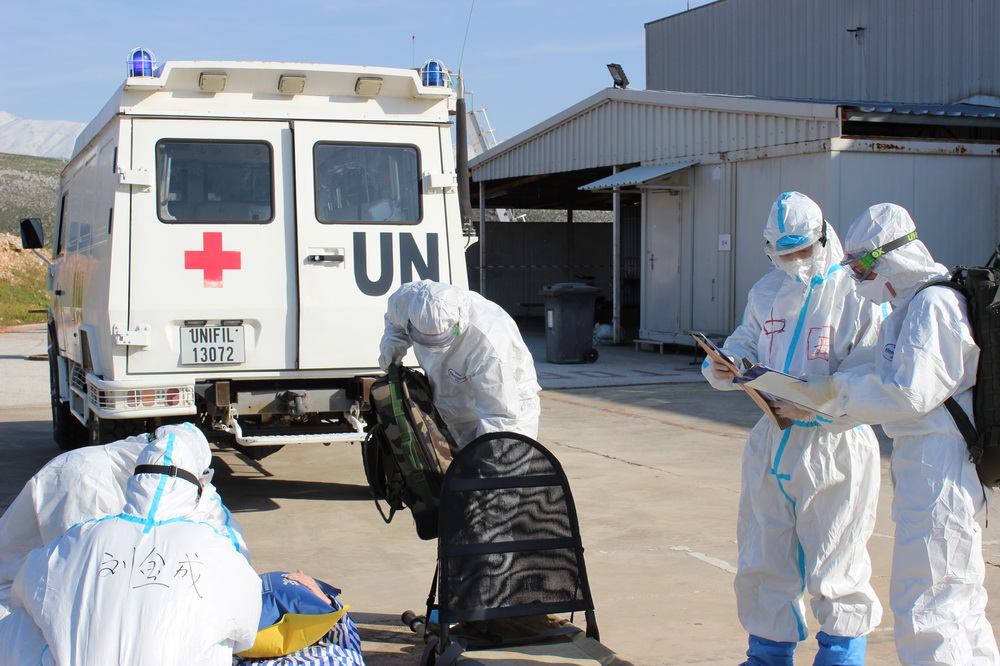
[
  {"x": 925, "y": 353},
  {"x": 150, "y": 585},
  {"x": 80, "y": 485},
  {"x": 479, "y": 368},
  {"x": 809, "y": 492}
]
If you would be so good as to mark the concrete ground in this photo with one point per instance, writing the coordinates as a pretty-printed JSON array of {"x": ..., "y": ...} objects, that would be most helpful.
[{"x": 653, "y": 459}]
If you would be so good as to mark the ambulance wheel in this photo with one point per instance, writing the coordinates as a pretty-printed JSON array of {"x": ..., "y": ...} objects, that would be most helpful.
[
  {"x": 67, "y": 430},
  {"x": 591, "y": 355},
  {"x": 105, "y": 431}
]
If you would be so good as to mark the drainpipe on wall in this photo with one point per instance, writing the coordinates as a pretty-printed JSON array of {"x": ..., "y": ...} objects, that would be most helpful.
[
  {"x": 616, "y": 262},
  {"x": 482, "y": 239},
  {"x": 462, "y": 153}
]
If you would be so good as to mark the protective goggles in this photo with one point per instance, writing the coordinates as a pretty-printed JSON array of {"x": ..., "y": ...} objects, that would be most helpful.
[
  {"x": 794, "y": 242},
  {"x": 432, "y": 340},
  {"x": 862, "y": 264}
]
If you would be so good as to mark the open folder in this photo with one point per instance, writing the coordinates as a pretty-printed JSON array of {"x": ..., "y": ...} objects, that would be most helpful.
[
  {"x": 781, "y": 385},
  {"x": 716, "y": 354}
]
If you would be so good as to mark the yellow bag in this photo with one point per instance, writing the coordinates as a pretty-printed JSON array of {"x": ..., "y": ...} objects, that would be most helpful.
[{"x": 292, "y": 633}]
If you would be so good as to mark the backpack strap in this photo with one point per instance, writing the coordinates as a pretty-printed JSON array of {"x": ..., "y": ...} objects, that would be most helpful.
[
  {"x": 962, "y": 420},
  {"x": 398, "y": 377},
  {"x": 965, "y": 427},
  {"x": 942, "y": 283}
]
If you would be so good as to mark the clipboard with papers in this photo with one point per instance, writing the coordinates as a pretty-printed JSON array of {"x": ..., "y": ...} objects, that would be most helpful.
[
  {"x": 716, "y": 354},
  {"x": 781, "y": 385}
]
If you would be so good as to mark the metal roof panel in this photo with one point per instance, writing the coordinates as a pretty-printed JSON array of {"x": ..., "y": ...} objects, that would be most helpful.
[{"x": 636, "y": 175}]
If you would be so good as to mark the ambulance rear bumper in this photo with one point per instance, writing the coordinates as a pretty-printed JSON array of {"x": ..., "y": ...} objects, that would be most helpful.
[
  {"x": 136, "y": 398},
  {"x": 165, "y": 396}
]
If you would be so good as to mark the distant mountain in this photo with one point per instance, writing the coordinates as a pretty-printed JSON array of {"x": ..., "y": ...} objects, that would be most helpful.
[
  {"x": 40, "y": 138},
  {"x": 29, "y": 187}
]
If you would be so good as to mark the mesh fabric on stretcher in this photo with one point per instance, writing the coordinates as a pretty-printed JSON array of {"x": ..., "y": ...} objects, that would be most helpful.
[{"x": 509, "y": 537}]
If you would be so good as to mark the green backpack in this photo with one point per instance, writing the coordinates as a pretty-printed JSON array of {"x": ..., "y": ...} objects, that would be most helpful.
[{"x": 408, "y": 448}]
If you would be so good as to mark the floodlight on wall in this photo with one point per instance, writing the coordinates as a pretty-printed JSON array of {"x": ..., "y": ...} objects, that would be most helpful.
[{"x": 618, "y": 74}]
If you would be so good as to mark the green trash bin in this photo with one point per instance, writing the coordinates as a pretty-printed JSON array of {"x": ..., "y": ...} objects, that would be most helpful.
[{"x": 569, "y": 322}]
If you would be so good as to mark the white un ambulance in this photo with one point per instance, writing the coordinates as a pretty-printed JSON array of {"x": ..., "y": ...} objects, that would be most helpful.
[{"x": 228, "y": 234}]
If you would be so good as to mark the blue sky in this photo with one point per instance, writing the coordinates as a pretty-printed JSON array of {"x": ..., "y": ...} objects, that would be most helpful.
[{"x": 523, "y": 60}]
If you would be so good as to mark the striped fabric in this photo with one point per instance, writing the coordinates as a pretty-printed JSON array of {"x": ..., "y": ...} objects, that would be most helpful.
[{"x": 341, "y": 646}]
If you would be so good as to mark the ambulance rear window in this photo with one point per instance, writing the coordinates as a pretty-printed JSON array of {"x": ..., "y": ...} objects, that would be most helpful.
[
  {"x": 367, "y": 183},
  {"x": 214, "y": 181}
]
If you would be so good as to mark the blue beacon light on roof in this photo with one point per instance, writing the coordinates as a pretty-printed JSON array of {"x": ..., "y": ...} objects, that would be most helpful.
[
  {"x": 432, "y": 73},
  {"x": 141, "y": 62}
]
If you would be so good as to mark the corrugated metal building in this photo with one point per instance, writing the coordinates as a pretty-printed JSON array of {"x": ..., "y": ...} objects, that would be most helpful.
[
  {"x": 696, "y": 173},
  {"x": 922, "y": 51}
]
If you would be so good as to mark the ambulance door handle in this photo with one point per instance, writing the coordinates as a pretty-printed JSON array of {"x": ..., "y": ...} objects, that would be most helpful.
[{"x": 321, "y": 258}]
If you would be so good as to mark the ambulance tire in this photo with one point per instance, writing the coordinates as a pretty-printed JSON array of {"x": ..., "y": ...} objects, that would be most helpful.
[
  {"x": 105, "y": 431},
  {"x": 67, "y": 431}
]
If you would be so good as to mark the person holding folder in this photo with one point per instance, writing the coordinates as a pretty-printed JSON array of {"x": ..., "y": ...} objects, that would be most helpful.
[
  {"x": 926, "y": 354},
  {"x": 809, "y": 491}
]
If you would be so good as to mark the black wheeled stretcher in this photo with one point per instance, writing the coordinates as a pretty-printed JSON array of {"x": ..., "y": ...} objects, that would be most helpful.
[{"x": 510, "y": 562}]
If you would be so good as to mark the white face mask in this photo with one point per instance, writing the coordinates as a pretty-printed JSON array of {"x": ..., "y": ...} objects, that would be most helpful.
[
  {"x": 803, "y": 268},
  {"x": 797, "y": 268},
  {"x": 874, "y": 290}
]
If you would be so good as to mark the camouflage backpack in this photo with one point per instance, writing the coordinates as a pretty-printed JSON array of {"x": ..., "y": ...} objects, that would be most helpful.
[{"x": 408, "y": 448}]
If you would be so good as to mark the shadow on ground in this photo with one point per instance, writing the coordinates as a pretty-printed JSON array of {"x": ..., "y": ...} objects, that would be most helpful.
[{"x": 257, "y": 493}]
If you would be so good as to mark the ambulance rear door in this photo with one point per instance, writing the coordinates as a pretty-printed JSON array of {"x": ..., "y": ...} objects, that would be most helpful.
[
  {"x": 368, "y": 221},
  {"x": 212, "y": 251}
]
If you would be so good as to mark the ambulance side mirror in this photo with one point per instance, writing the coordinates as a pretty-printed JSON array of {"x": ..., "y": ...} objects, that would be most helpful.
[{"x": 32, "y": 236}]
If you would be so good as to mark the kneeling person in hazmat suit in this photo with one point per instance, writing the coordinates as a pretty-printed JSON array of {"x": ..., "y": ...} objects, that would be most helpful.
[
  {"x": 809, "y": 492},
  {"x": 481, "y": 372},
  {"x": 81, "y": 485},
  {"x": 150, "y": 585}
]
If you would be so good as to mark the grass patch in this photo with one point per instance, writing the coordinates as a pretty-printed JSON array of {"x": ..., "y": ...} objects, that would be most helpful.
[{"x": 24, "y": 291}]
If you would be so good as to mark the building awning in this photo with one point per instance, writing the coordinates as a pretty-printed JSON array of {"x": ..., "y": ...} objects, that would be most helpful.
[{"x": 636, "y": 175}]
